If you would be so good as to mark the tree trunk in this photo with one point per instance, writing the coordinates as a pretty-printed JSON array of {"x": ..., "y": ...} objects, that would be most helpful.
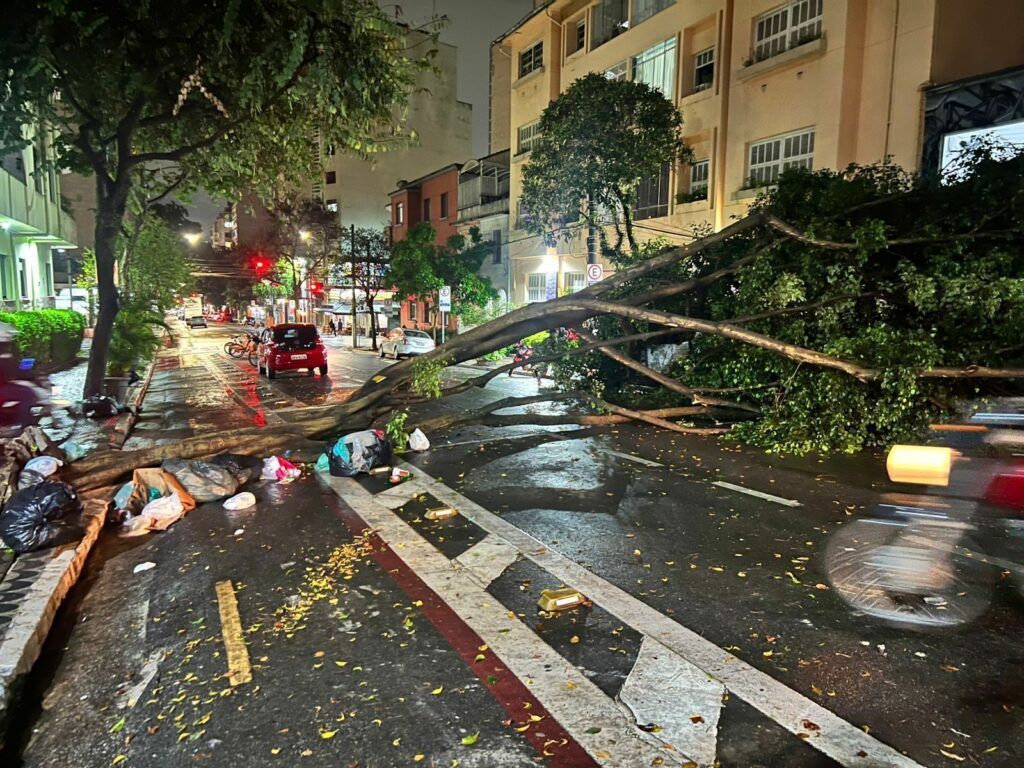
[
  {"x": 373, "y": 322},
  {"x": 111, "y": 205}
]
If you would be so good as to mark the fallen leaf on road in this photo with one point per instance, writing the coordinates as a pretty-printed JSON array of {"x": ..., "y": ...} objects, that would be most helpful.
[
  {"x": 470, "y": 740},
  {"x": 327, "y": 734},
  {"x": 952, "y": 756},
  {"x": 696, "y": 719},
  {"x": 574, "y": 639},
  {"x": 807, "y": 724},
  {"x": 117, "y": 726},
  {"x": 949, "y": 668},
  {"x": 821, "y": 586},
  {"x": 419, "y": 758},
  {"x": 275, "y": 751},
  {"x": 341, "y": 663},
  {"x": 119, "y": 759},
  {"x": 438, "y": 691}
]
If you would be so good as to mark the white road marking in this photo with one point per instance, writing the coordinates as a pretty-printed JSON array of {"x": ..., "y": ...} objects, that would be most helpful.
[
  {"x": 146, "y": 675},
  {"x": 842, "y": 741},
  {"x": 667, "y": 690},
  {"x": 636, "y": 459},
  {"x": 590, "y": 717},
  {"x": 488, "y": 559},
  {"x": 758, "y": 494}
]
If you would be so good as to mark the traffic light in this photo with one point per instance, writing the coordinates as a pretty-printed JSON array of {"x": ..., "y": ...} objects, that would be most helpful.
[
  {"x": 260, "y": 264},
  {"x": 316, "y": 287}
]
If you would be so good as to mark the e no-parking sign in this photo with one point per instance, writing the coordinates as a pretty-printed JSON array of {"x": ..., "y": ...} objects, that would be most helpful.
[
  {"x": 595, "y": 273},
  {"x": 445, "y": 298}
]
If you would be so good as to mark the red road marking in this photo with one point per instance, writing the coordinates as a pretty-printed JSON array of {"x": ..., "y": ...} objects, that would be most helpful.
[{"x": 547, "y": 735}]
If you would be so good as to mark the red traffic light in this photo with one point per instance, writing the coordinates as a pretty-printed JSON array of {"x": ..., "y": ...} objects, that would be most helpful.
[{"x": 316, "y": 287}]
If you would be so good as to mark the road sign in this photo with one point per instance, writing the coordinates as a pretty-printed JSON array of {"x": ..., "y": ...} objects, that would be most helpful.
[
  {"x": 595, "y": 273},
  {"x": 445, "y": 298},
  {"x": 551, "y": 286}
]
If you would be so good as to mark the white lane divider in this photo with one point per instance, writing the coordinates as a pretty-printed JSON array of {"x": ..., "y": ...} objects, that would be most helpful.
[
  {"x": 757, "y": 494},
  {"x": 667, "y": 690},
  {"x": 488, "y": 559},
  {"x": 844, "y": 742},
  {"x": 582, "y": 709}
]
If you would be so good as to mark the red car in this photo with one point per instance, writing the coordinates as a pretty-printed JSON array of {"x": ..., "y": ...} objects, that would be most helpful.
[{"x": 291, "y": 347}]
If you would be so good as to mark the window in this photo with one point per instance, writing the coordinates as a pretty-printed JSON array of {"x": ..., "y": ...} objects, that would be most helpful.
[
  {"x": 331, "y": 205},
  {"x": 537, "y": 287},
  {"x": 611, "y": 19},
  {"x": 14, "y": 164},
  {"x": 703, "y": 70},
  {"x": 331, "y": 177},
  {"x": 426, "y": 209},
  {"x": 652, "y": 196},
  {"x": 496, "y": 246},
  {"x": 330, "y": 150},
  {"x": 37, "y": 161},
  {"x": 531, "y": 59},
  {"x": 528, "y": 136},
  {"x": 22, "y": 280},
  {"x": 575, "y": 281},
  {"x": 699, "y": 180},
  {"x": 400, "y": 213},
  {"x": 644, "y": 9},
  {"x": 769, "y": 158},
  {"x": 657, "y": 67},
  {"x": 444, "y": 205},
  {"x": 618, "y": 72},
  {"x": 5, "y": 287},
  {"x": 791, "y": 25},
  {"x": 576, "y": 36},
  {"x": 414, "y": 308}
]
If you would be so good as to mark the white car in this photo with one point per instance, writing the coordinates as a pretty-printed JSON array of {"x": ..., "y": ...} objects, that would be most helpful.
[{"x": 405, "y": 342}]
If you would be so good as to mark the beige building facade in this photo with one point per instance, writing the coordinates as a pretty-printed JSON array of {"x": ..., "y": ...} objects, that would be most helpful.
[
  {"x": 763, "y": 85},
  {"x": 358, "y": 189}
]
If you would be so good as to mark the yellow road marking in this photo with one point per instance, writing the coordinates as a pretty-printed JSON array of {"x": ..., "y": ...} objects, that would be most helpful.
[{"x": 239, "y": 671}]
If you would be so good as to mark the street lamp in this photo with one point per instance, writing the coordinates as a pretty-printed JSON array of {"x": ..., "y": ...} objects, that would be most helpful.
[
  {"x": 193, "y": 238},
  {"x": 304, "y": 235}
]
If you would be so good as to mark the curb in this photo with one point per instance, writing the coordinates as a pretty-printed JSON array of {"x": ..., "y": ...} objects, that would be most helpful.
[
  {"x": 50, "y": 574},
  {"x": 133, "y": 402}
]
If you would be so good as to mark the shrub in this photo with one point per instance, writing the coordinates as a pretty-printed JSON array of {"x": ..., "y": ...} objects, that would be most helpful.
[
  {"x": 133, "y": 340},
  {"x": 51, "y": 336}
]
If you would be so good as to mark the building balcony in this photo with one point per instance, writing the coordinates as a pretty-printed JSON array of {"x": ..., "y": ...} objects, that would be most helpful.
[
  {"x": 25, "y": 212},
  {"x": 482, "y": 210}
]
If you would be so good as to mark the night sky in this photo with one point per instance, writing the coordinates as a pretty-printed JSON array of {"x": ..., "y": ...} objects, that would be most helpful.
[{"x": 472, "y": 25}]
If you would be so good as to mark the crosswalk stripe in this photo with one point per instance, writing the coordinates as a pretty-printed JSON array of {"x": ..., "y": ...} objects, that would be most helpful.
[{"x": 842, "y": 741}]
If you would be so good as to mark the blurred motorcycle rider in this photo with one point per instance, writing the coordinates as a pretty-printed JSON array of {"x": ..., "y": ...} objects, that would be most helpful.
[{"x": 20, "y": 399}]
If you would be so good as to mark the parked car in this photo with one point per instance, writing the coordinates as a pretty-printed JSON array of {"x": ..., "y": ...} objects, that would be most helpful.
[
  {"x": 291, "y": 347},
  {"x": 197, "y": 322},
  {"x": 406, "y": 342}
]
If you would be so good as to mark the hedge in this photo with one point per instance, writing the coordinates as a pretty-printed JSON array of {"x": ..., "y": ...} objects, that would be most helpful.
[{"x": 51, "y": 336}]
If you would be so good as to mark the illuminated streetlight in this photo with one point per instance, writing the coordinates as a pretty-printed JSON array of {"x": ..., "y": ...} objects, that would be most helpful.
[
  {"x": 193, "y": 238},
  {"x": 304, "y": 235}
]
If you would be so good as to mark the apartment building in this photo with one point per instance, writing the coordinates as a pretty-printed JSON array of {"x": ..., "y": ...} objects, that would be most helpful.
[
  {"x": 432, "y": 199},
  {"x": 763, "y": 85},
  {"x": 484, "y": 204},
  {"x": 33, "y": 225},
  {"x": 357, "y": 188}
]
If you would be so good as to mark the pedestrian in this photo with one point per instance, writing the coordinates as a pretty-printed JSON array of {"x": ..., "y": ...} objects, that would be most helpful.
[{"x": 332, "y": 327}]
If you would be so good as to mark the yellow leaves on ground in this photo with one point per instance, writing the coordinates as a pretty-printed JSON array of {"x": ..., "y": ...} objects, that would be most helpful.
[
  {"x": 438, "y": 691},
  {"x": 574, "y": 639},
  {"x": 470, "y": 740},
  {"x": 324, "y": 734}
]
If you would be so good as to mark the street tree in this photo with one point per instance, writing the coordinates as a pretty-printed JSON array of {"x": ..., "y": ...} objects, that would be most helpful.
[
  {"x": 419, "y": 267},
  {"x": 598, "y": 141},
  {"x": 364, "y": 266},
  {"x": 216, "y": 93},
  {"x": 846, "y": 310}
]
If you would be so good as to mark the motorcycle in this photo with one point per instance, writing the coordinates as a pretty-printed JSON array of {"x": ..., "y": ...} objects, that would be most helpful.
[{"x": 933, "y": 559}]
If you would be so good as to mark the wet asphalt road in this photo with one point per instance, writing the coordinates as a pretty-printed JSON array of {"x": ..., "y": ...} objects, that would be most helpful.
[{"x": 744, "y": 572}]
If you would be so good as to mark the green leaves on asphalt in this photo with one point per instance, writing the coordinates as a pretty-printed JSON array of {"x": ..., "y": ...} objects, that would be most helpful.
[{"x": 470, "y": 740}]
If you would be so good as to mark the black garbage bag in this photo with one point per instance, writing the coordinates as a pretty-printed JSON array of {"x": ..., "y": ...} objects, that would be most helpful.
[
  {"x": 203, "y": 481},
  {"x": 359, "y": 452},
  {"x": 98, "y": 407},
  {"x": 44, "y": 515},
  {"x": 244, "y": 468}
]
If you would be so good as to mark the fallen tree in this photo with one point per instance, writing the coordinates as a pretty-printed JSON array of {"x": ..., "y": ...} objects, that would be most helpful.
[{"x": 847, "y": 309}]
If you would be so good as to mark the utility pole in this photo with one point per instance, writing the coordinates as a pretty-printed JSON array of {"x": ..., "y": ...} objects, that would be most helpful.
[
  {"x": 352, "y": 280},
  {"x": 591, "y": 232}
]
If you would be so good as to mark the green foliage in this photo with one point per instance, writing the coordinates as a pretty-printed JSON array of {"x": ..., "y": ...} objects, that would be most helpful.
[
  {"x": 86, "y": 278},
  {"x": 896, "y": 307},
  {"x": 497, "y": 355},
  {"x": 395, "y": 430},
  {"x": 599, "y": 139},
  {"x": 426, "y": 376},
  {"x": 155, "y": 267},
  {"x": 419, "y": 267},
  {"x": 134, "y": 340},
  {"x": 51, "y": 336}
]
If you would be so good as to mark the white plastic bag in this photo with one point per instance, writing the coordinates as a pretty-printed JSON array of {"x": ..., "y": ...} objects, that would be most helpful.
[
  {"x": 280, "y": 469},
  {"x": 418, "y": 441},
  {"x": 44, "y": 465},
  {"x": 158, "y": 515},
  {"x": 244, "y": 500}
]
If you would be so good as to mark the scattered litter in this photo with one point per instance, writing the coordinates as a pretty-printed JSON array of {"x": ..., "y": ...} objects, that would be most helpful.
[
  {"x": 418, "y": 441},
  {"x": 398, "y": 475},
  {"x": 244, "y": 468},
  {"x": 157, "y": 515},
  {"x": 142, "y": 567},
  {"x": 881, "y": 648},
  {"x": 286, "y": 566},
  {"x": 204, "y": 481},
  {"x": 359, "y": 452},
  {"x": 323, "y": 464},
  {"x": 44, "y": 465},
  {"x": 239, "y": 532},
  {"x": 280, "y": 469},
  {"x": 244, "y": 500},
  {"x": 156, "y": 501},
  {"x": 41, "y": 516},
  {"x": 100, "y": 407},
  {"x": 936, "y": 601},
  {"x": 73, "y": 451},
  {"x": 292, "y": 601}
]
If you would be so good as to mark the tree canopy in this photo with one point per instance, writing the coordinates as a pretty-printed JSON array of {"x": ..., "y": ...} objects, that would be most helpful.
[
  {"x": 214, "y": 93},
  {"x": 419, "y": 267},
  {"x": 598, "y": 141}
]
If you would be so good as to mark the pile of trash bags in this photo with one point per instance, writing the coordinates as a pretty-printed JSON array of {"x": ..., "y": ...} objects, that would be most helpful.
[
  {"x": 358, "y": 453},
  {"x": 155, "y": 498},
  {"x": 42, "y": 513}
]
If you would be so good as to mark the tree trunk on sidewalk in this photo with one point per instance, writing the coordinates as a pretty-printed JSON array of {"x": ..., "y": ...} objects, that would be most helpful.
[
  {"x": 373, "y": 323},
  {"x": 112, "y": 201}
]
